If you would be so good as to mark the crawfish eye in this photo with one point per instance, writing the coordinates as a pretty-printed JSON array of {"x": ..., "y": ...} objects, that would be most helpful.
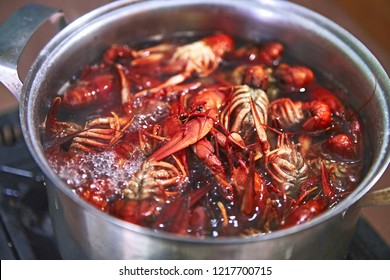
[
  {"x": 199, "y": 109},
  {"x": 183, "y": 117}
]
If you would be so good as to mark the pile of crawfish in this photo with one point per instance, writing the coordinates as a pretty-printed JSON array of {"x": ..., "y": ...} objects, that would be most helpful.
[{"x": 212, "y": 137}]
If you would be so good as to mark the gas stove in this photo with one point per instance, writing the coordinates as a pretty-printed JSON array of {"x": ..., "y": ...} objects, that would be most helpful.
[{"x": 25, "y": 226}]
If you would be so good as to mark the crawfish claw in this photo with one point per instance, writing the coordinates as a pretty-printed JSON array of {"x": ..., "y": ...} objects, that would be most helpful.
[{"x": 190, "y": 133}]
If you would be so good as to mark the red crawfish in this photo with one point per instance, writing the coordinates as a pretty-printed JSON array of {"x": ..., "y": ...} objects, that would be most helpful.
[
  {"x": 284, "y": 79},
  {"x": 256, "y": 76},
  {"x": 315, "y": 115},
  {"x": 148, "y": 189},
  {"x": 269, "y": 53},
  {"x": 199, "y": 58},
  {"x": 341, "y": 146},
  {"x": 199, "y": 122},
  {"x": 286, "y": 165},
  {"x": 101, "y": 87},
  {"x": 293, "y": 78},
  {"x": 255, "y": 194},
  {"x": 246, "y": 113},
  {"x": 100, "y": 134},
  {"x": 99, "y": 192},
  {"x": 184, "y": 214},
  {"x": 56, "y": 128},
  {"x": 99, "y": 83},
  {"x": 307, "y": 210},
  {"x": 322, "y": 94}
]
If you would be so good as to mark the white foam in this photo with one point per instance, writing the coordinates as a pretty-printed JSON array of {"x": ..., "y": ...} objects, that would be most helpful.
[{"x": 83, "y": 168}]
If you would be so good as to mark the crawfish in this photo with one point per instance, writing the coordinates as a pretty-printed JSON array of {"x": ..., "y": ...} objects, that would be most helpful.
[
  {"x": 199, "y": 58},
  {"x": 180, "y": 215},
  {"x": 247, "y": 109},
  {"x": 99, "y": 192},
  {"x": 100, "y": 133},
  {"x": 293, "y": 78},
  {"x": 255, "y": 195},
  {"x": 343, "y": 174},
  {"x": 101, "y": 87},
  {"x": 154, "y": 179},
  {"x": 192, "y": 127},
  {"x": 151, "y": 105},
  {"x": 134, "y": 210},
  {"x": 303, "y": 210},
  {"x": 268, "y": 54},
  {"x": 149, "y": 189},
  {"x": 342, "y": 146},
  {"x": 282, "y": 79},
  {"x": 316, "y": 115},
  {"x": 286, "y": 165},
  {"x": 197, "y": 124},
  {"x": 324, "y": 95},
  {"x": 53, "y": 127},
  {"x": 117, "y": 52},
  {"x": 257, "y": 76}
]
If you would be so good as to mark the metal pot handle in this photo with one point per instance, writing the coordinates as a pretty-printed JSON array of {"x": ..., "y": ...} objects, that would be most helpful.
[
  {"x": 375, "y": 198},
  {"x": 14, "y": 35}
]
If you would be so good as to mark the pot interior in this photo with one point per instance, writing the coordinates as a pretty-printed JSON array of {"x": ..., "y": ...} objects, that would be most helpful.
[{"x": 308, "y": 37}]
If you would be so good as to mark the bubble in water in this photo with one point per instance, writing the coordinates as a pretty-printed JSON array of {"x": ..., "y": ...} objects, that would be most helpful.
[{"x": 83, "y": 168}]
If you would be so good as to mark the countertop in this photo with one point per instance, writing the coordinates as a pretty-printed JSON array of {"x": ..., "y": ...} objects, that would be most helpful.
[{"x": 369, "y": 21}]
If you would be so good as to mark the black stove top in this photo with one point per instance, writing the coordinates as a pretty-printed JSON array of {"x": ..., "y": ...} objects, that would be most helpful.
[{"x": 25, "y": 227}]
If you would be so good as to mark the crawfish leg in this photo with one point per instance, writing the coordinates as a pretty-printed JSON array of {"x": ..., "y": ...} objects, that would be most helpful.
[
  {"x": 259, "y": 128},
  {"x": 206, "y": 153}
]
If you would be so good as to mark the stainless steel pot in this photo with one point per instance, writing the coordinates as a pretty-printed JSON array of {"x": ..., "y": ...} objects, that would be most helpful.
[{"x": 83, "y": 231}]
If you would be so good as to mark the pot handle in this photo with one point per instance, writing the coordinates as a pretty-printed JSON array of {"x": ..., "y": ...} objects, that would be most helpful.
[
  {"x": 14, "y": 35},
  {"x": 375, "y": 198}
]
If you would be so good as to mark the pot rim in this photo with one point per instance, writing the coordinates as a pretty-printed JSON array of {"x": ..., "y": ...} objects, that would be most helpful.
[{"x": 364, "y": 56}]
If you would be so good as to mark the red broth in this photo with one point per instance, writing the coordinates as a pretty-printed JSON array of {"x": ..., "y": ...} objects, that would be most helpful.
[{"x": 205, "y": 136}]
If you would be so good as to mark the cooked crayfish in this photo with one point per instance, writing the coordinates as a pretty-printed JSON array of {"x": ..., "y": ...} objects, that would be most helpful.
[
  {"x": 192, "y": 133},
  {"x": 86, "y": 92},
  {"x": 286, "y": 165},
  {"x": 315, "y": 115},
  {"x": 284, "y": 78},
  {"x": 268, "y": 54},
  {"x": 56, "y": 128},
  {"x": 293, "y": 78},
  {"x": 100, "y": 133},
  {"x": 199, "y": 58},
  {"x": 305, "y": 210},
  {"x": 247, "y": 111},
  {"x": 256, "y": 76},
  {"x": 154, "y": 179}
]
